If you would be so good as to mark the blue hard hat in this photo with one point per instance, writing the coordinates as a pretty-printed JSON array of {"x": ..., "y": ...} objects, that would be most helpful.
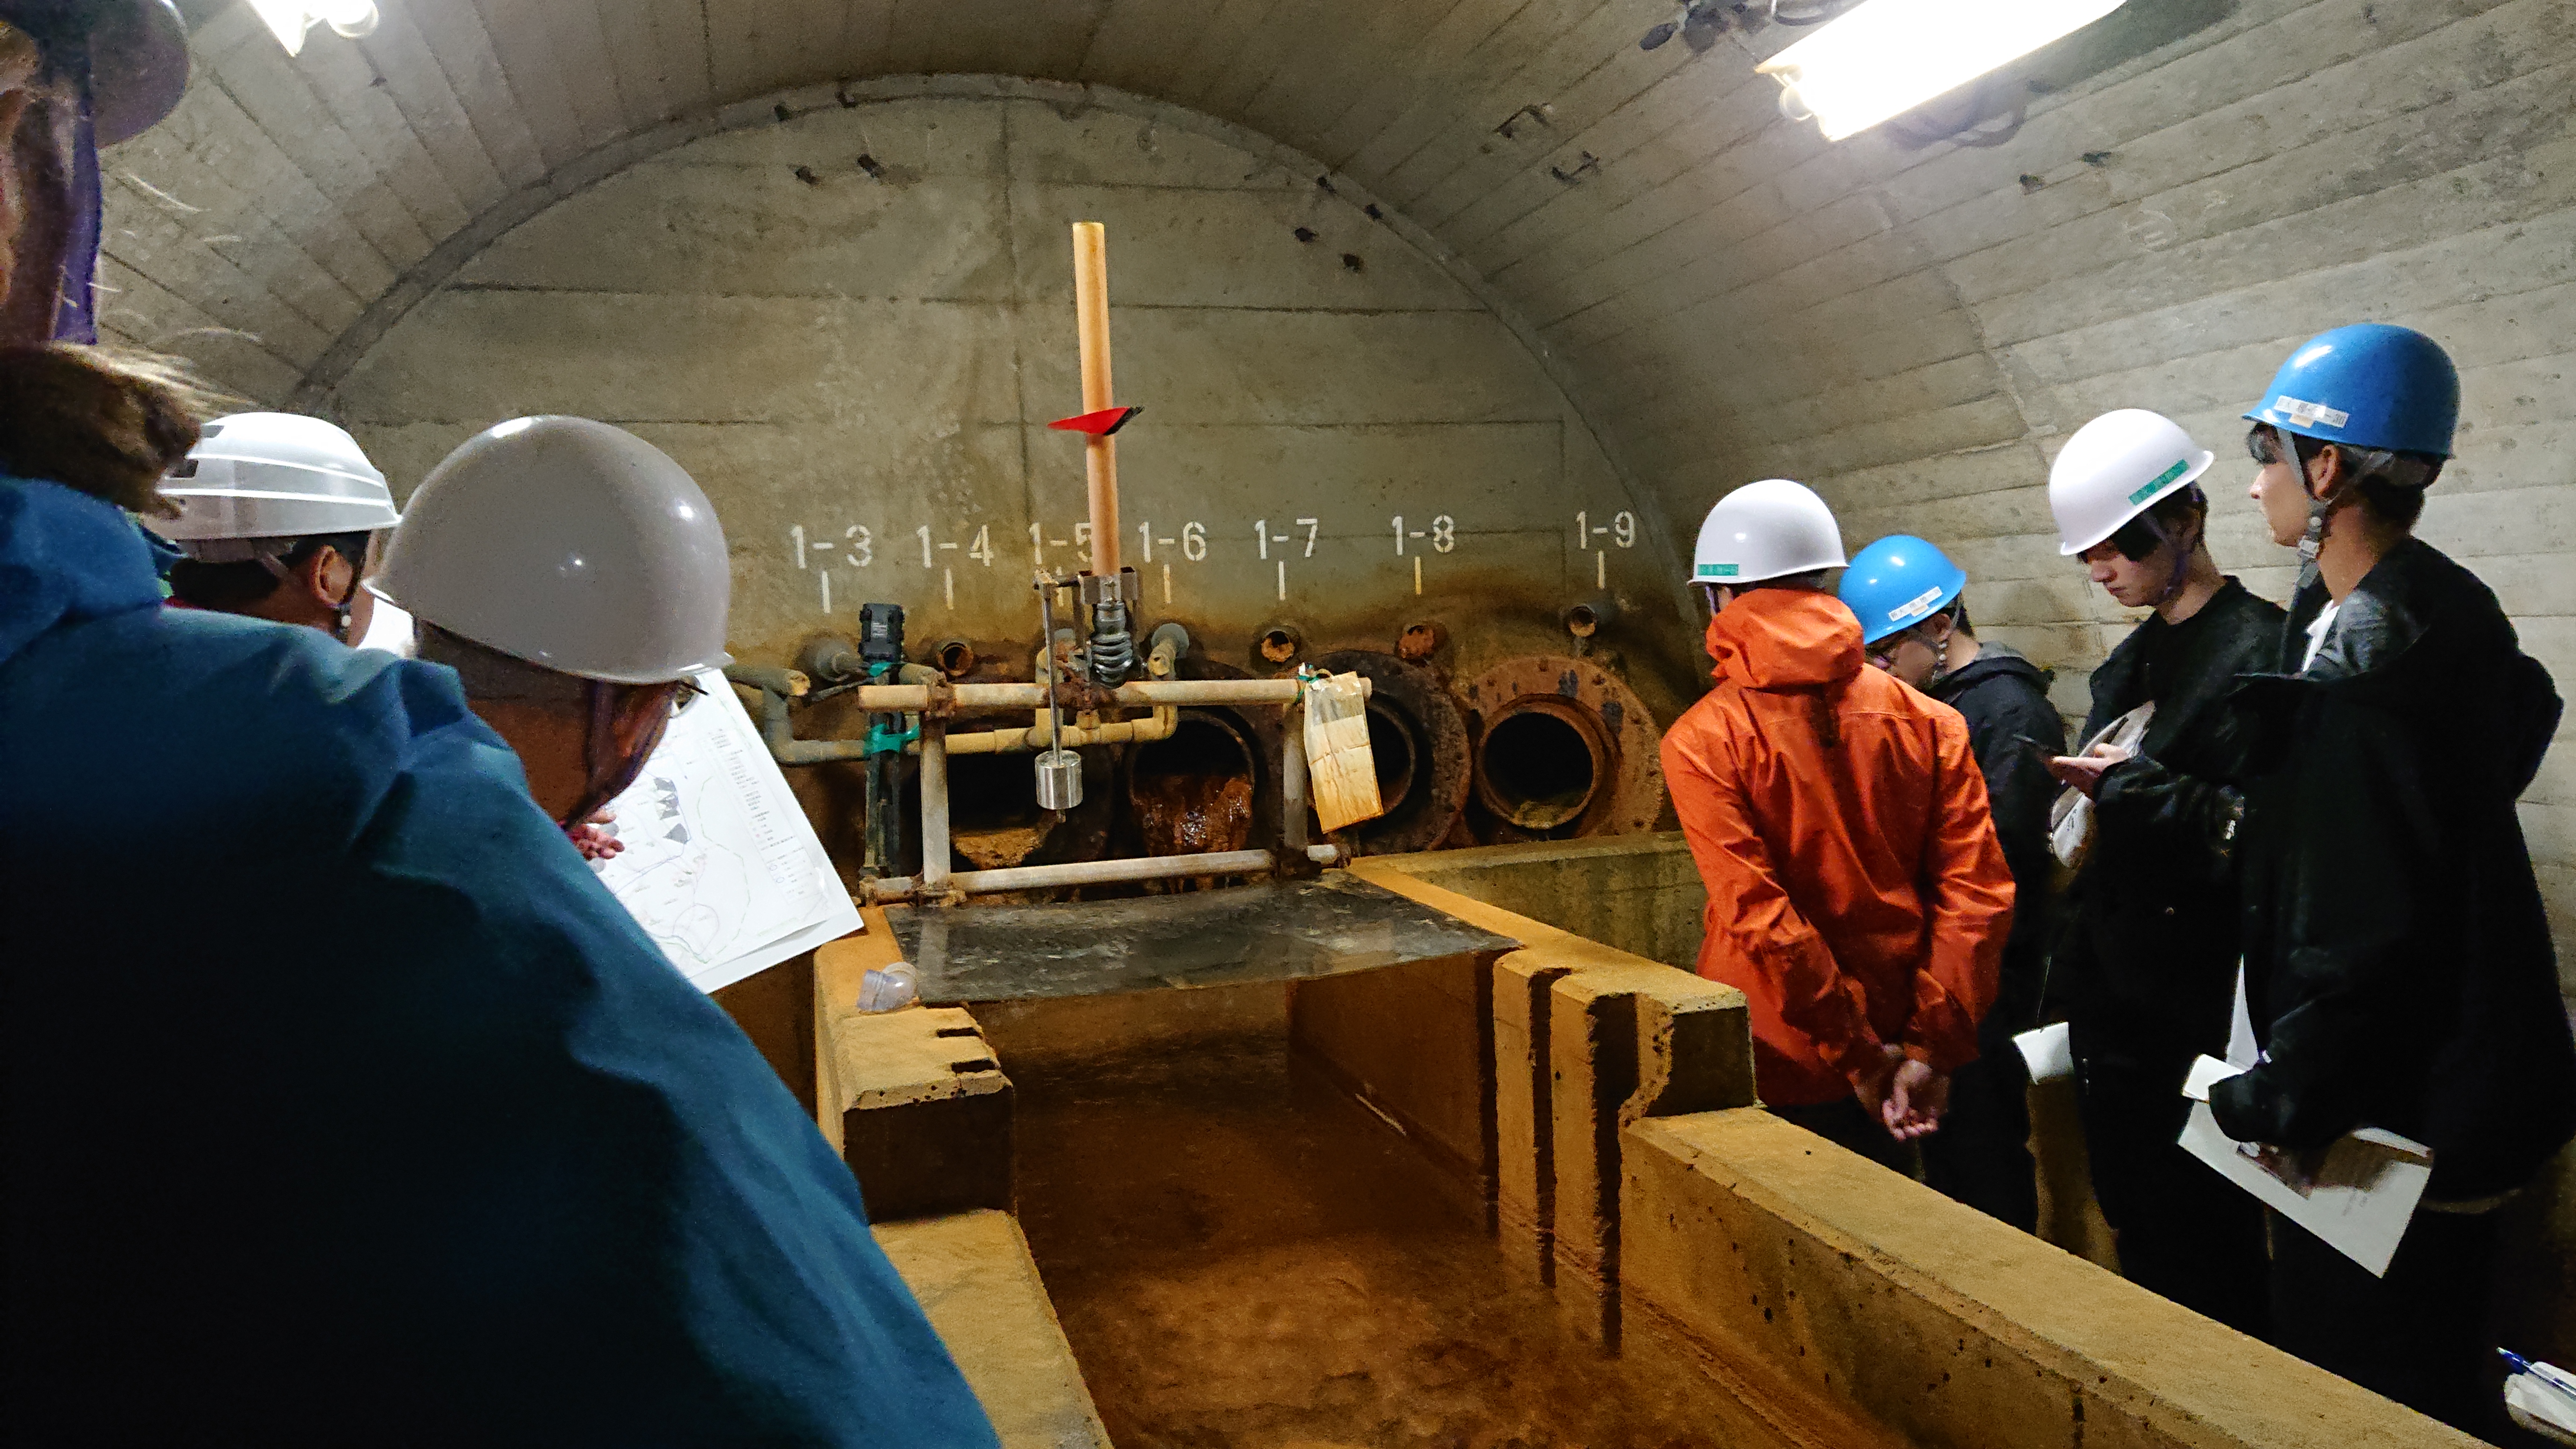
[
  {"x": 1897, "y": 583},
  {"x": 2369, "y": 385}
]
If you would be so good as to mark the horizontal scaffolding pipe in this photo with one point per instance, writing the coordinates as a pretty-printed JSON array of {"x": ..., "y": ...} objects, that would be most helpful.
[
  {"x": 1100, "y": 872},
  {"x": 909, "y": 698}
]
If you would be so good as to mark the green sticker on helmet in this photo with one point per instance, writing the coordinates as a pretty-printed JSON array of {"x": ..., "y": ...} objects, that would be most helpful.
[
  {"x": 1716, "y": 571},
  {"x": 2160, "y": 480}
]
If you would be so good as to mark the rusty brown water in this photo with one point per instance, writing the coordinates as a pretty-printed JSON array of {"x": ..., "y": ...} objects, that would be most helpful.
[
  {"x": 1244, "y": 1257},
  {"x": 1188, "y": 814}
]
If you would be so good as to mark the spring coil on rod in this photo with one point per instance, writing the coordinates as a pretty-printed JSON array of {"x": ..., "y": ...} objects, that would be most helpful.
[{"x": 1113, "y": 648}]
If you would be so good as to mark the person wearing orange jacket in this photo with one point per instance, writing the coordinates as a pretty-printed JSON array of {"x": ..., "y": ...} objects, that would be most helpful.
[{"x": 1857, "y": 895}]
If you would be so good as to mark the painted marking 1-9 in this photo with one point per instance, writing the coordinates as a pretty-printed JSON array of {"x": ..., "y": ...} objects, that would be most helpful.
[{"x": 1621, "y": 529}]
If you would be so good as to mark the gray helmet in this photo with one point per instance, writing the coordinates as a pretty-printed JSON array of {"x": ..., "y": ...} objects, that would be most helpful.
[{"x": 570, "y": 544}]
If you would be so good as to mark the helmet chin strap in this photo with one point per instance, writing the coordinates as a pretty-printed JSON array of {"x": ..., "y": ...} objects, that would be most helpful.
[
  {"x": 2181, "y": 573},
  {"x": 2312, "y": 539}
]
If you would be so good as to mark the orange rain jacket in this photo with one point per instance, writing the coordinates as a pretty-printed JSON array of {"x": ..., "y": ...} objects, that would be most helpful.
[{"x": 1856, "y": 892}]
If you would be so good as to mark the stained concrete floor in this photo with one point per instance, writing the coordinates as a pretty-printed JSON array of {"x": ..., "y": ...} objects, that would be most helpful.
[{"x": 1242, "y": 1256}]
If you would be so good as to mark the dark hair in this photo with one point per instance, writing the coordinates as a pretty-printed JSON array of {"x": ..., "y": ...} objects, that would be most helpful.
[
  {"x": 233, "y": 586},
  {"x": 2163, "y": 519},
  {"x": 107, "y": 424},
  {"x": 2389, "y": 483}
]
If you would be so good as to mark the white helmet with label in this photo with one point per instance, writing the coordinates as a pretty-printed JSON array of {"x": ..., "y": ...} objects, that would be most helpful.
[
  {"x": 569, "y": 544},
  {"x": 273, "y": 477},
  {"x": 2115, "y": 468},
  {"x": 1766, "y": 530}
]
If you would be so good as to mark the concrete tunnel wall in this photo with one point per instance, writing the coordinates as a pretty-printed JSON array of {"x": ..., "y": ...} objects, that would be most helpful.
[{"x": 859, "y": 369}]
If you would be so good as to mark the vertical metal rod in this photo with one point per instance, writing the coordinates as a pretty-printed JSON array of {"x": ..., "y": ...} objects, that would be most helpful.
[
  {"x": 1292, "y": 779},
  {"x": 874, "y": 860},
  {"x": 1099, "y": 453},
  {"x": 934, "y": 806},
  {"x": 1046, "y": 644}
]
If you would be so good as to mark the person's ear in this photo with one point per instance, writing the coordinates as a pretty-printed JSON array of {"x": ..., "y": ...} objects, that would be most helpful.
[
  {"x": 1937, "y": 630},
  {"x": 327, "y": 576},
  {"x": 2326, "y": 472}
]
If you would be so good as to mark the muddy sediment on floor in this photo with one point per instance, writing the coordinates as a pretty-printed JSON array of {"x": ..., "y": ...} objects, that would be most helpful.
[{"x": 1243, "y": 1256}]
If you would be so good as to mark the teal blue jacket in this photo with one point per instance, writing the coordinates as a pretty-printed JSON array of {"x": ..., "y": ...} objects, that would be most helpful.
[{"x": 344, "y": 1105}]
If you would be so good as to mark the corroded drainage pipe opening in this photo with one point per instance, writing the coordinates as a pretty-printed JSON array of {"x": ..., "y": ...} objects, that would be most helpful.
[
  {"x": 993, "y": 815},
  {"x": 1391, "y": 747},
  {"x": 1193, "y": 792},
  {"x": 1541, "y": 763}
]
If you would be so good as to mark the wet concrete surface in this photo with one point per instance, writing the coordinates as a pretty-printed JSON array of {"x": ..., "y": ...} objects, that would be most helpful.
[
  {"x": 1243, "y": 1256},
  {"x": 1259, "y": 931}
]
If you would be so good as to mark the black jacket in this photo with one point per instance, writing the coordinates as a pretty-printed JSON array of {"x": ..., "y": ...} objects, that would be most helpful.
[
  {"x": 2147, "y": 969},
  {"x": 2398, "y": 961},
  {"x": 2004, "y": 698}
]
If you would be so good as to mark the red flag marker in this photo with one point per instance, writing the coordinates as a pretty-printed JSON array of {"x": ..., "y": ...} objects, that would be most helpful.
[{"x": 1100, "y": 424}]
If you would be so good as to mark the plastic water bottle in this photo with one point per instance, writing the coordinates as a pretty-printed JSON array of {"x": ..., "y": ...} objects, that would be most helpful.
[{"x": 890, "y": 988}]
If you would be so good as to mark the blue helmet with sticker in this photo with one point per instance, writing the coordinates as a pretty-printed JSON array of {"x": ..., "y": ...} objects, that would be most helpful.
[
  {"x": 1897, "y": 583},
  {"x": 2369, "y": 385}
]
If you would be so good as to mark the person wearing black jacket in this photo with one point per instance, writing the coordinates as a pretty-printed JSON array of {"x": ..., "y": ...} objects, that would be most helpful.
[
  {"x": 2146, "y": 970},
  {"x": 1914, "y": 624},
  {"x": 2399, "y": 970}
]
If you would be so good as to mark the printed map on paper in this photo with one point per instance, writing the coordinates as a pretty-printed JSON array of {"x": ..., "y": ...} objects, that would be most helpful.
[{"x": 719, "y": 866}]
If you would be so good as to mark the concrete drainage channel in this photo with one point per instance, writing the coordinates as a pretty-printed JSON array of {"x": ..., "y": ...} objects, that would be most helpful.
[{"x": 1504, "y": 1196}]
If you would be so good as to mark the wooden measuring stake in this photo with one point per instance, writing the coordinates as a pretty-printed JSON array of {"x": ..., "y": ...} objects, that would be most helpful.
[{"x": 1099, "y": 451}]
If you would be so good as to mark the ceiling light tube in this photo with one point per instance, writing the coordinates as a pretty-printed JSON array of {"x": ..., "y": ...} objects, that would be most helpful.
[
  {"x": 1883, "y": 58},
  {"x": 288, "y": 20}
]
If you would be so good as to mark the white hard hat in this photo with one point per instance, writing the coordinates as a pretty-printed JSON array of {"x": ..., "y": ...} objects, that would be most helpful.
[
  {"x": 271, "y": 476},
  {"x": 2115, "y": 468},
  {"x": 1766, "y": 530},
  {"x": 570, "y": 544}
]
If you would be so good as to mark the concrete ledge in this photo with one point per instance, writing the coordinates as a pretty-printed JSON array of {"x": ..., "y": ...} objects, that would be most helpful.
[
  {"x": 1762, "y": 1240},
  {"x": 974, "y": 1276},
  {"x": 926, "y": 1127},
  {"x": 1585, "y": 1040},
  {"x": 915, "y": 1100},
  {"x": 1636, "y": 893}
]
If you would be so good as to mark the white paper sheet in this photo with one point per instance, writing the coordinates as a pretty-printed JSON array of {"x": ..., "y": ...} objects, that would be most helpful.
[
  {"x": 2363, "y": 1193},
  {"x": 719, "y": 866},
  {"x": 2541, "y": 1407},
  {"x": 2048, "y": 1051}
]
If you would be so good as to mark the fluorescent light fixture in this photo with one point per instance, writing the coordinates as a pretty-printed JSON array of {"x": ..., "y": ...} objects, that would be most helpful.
[
  {"x": 289, "y": 19},
  {"x": 1882, "y": 58}
]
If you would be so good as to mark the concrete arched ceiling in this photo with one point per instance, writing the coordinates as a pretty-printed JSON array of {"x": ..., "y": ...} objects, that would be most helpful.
[{"x": 2167, "y": 199}]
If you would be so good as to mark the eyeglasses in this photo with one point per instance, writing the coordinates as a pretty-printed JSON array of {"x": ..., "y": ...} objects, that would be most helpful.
[
  {"x": 2264, "y": 444},
  {"x": 686, "y": 692}
]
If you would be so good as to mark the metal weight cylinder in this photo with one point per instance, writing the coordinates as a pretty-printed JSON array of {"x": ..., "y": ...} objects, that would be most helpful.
[{"x": 1059, "y": 779}]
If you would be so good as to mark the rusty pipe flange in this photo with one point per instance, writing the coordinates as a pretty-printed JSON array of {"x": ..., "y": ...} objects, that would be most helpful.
[
  {"x": 1563, "y": 748},
  {"x": 1419, "y": 737}
]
